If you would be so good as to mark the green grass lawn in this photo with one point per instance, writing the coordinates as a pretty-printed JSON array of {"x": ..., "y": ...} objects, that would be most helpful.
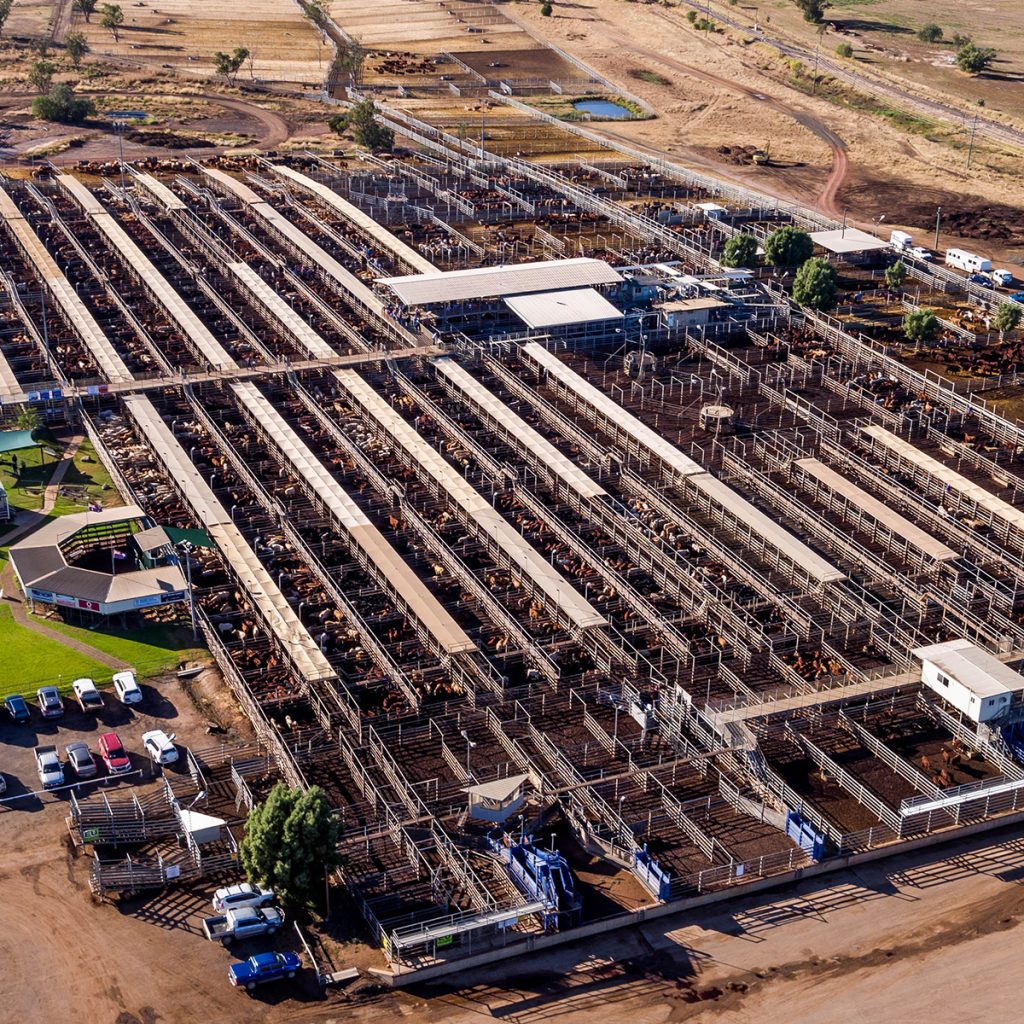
[
  {"x": 30, "y": 660},
  {"x": 149, "y": 650}
]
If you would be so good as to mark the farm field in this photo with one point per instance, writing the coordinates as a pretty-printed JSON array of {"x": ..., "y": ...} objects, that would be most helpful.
[
  {"x": 183, "y": 35},
  {"x": 720, "y": 96},
  {"x": 883, "y": 34}
]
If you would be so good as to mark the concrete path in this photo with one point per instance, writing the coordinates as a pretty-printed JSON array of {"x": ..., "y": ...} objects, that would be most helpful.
[
  {"x": 9, "y": 582},
  {"x": 816, "y": 697}
]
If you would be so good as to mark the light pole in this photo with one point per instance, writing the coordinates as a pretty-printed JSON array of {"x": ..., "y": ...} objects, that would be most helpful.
[
  {"x": 469, "y": 746},
  {"x": 119, "y": 127},
  {"x": 187, "y": 549},
  {"x": 938, "y": 220}
]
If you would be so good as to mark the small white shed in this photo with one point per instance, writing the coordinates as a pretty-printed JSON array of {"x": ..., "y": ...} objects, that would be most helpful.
[
  {"x": 498, "y": 800},
  {"x": 968, "y": 677}
]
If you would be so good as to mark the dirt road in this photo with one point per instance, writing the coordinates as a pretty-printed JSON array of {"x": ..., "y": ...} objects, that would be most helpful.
[{"x": 840, "y": 165}]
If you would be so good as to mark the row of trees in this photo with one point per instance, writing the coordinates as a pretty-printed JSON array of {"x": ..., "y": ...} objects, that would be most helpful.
[{"x": 970, "y": 58}]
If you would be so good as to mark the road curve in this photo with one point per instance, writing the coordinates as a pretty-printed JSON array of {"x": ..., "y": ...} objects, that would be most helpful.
[{"x": 825, "y": 201}]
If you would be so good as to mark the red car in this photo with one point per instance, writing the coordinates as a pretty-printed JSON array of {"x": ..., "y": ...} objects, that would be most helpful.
[{"x": 115, "y": 757}]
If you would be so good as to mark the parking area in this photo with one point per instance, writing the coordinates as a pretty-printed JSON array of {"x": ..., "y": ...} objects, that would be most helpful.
[{"x": 143, "y": 959}]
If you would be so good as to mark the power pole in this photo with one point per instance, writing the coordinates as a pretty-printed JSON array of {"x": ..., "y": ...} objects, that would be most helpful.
[
  {"x": 970, "y": 149},
  {"x": 938, "y": 220}
]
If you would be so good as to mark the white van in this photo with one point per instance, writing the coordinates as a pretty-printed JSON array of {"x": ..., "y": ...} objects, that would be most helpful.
[
  {"x": 969, "y": 261},
  {"x": 901, "y": 240}
]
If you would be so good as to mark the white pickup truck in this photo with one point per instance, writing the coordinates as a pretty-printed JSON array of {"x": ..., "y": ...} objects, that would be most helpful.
[{"x": 243, "y": 923}]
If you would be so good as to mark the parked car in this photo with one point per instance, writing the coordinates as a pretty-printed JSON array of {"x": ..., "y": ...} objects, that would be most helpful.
[
  {"x": 160, "y": 746},
  {"x": 115, "y": 757},
  {"x": 243, "y": 923},
  {"x": 244, "y": 894},
  {"x": 126, "y": 688},
  {"x": 3, "y": 783},
  {"x": 978, "y": 279},
  {"x": 51, "y": 771},
  {"x": 263, "y": 967},
  {"x": 88, "y": 697},
  {"x": 921, "y": 252},
  {"x": 17, "y": 708},
  {"x": 80, "y": 758},
  {"x": 1017, "y": 296},
  {"x": 50, "y": 704}
]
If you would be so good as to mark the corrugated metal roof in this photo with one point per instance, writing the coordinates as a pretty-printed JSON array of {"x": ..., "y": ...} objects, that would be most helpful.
[
  {"x": 844, "y": 240},
  {"x": 77, "y": 313},
  {"x": 281, "y": 311},
  {"x": 559, "y": 309},
  {"x": 496, "y": 282},
  {"x": 178, "y": 309},
  {"x": 417, "y": 598},
  {"x": 159, "y": 191},
  {"x": 889, "y": 518},
  {"x": 669, "y": 454},
  {"x": 520, "y": 552},
  {"x": 972, "y": 667},
  {"x": 514, "y": 426},
  {"x": 363, "y": 221},
  {"x": 265, "y": 594},
  {"x": 950, "y": 477}
]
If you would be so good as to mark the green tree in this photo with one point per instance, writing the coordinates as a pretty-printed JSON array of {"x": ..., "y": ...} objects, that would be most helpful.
[
  {"x": 76, "y": 48},
  {"x": 228, "y": 64},
  {"x": 920, "y": 326},
  {"x": 813, "y": 10},
  {"x": 691, "y": 17},
  {"x": 844, "y": 50},
  {"x": 28, "y": 418},
  {"x": 815, "y": 284},
  {"x": 973, "y": 59},
  {"x": 740, "y": 251},
  {"x": 40, "y": 76},
  {"x": 1007, "y": 317},
  {"x": 5, "y": 12},
  {"x": 338, "y": 124},
  {"x": 787, "y": 247},
  {"x": 896, "y": 275},
  {"x": 367, "y": 130},
  {"x": 112, "y": 18},
  {"x": 546, "y": 10},
  {"x": 290, "y": 840},
  {"x": 62, "y": 105},
  {"x": 87, "y": 7},
  {"x": 930, "y": 33}
]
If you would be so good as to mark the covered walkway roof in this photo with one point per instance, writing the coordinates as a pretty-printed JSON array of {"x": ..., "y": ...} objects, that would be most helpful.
[
  {"x": 955, "y": 481},
  {"x": 265, "y": 594},
  {"x": 74, "y": 309},
  {"x": 693, "y": 472},
  {"x": 533, "y": 566},
  {"x": 281, "y": 311},
  {"x": 498, "y": 282},
  {"x": 137, "y": 261},
  {"x": 364, "y": 222},
  {"x": 419, "y": 601},
  {"x": 514, "y": 427},
  {"x": 877, "y": 510}
]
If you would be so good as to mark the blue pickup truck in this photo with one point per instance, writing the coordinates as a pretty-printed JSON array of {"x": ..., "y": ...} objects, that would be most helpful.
[{"x": 263, "y": 967}]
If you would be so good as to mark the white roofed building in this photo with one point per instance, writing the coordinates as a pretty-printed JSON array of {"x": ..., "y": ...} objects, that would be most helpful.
[{"x": 975, "y": 682}]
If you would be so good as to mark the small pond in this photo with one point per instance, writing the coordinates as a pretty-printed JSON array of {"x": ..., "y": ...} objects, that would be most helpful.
[{"x": 603, "y": 108}]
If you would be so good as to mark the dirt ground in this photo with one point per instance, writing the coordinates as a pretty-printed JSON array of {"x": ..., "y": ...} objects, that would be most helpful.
[{"x": 723, "y": 92}]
